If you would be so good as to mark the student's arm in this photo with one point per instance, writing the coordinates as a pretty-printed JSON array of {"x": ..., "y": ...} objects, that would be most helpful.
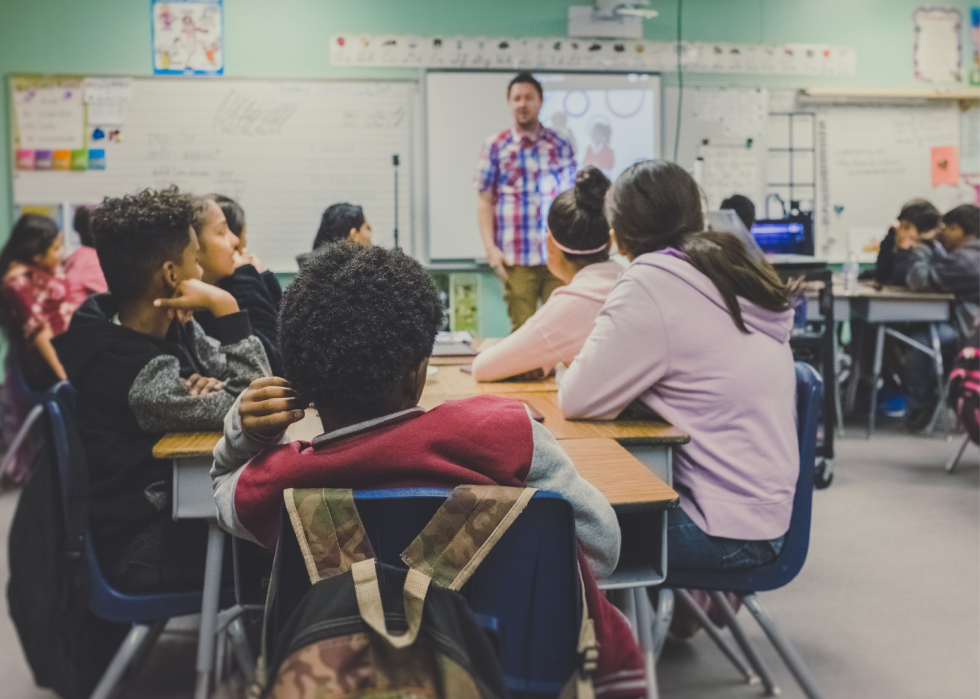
[
  {"x": 487, "y": 173},
  {"x": 596, "y": 525},
  {"x": 921, "y": 274},
  {"x": 232, "y": 353},
  {"x": 886, "y": 258},
  {"x": 253, "y": 296},
  {"x": 42, "y": 342},
  {"x": 526, "y": 349},
  {"x": 627, "y": 353}
]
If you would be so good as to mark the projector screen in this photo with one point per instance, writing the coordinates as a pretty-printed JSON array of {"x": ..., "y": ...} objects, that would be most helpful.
[{"x": 611, "y": 120}]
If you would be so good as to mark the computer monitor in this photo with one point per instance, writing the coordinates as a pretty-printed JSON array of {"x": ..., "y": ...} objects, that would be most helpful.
[{"x": 789, "y": 236}]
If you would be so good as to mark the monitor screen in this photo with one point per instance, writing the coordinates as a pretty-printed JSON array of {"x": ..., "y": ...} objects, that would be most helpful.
[{"x": 784, "y": 237}]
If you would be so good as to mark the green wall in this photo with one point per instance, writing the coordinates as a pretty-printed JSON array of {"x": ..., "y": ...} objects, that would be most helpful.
[{"x": 289, "y": 38}]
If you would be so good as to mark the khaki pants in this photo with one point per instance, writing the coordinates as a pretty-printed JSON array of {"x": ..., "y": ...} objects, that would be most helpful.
[{"x": 524, "y": 287}]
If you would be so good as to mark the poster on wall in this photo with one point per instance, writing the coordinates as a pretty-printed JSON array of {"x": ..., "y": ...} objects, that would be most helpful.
[
  {"x": 936, "y": 53},
  {"x": 188, "y": 37}
]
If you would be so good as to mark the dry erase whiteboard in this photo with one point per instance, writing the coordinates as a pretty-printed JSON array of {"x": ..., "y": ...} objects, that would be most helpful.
[{"x": 284, "y": 149}]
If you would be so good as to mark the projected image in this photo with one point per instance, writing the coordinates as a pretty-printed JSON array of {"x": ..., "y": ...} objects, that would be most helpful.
[{"x": 610, "y": 129}]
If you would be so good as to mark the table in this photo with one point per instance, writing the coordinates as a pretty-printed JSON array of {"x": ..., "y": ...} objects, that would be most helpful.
[{"x": 452, "y": 381}]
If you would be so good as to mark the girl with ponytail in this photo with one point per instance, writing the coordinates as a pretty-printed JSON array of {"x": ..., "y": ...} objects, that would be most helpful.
[
  {"x": 697, "y": 331},
  {"x": 578, "y": 254}
]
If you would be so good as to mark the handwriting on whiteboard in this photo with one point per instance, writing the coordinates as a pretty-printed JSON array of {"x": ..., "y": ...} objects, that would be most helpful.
[{"x": 240, "y": 114}]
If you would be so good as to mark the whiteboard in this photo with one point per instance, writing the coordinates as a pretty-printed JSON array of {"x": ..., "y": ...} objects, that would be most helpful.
[
  {"x": 463, "y": 109},
  {"x": 285, "y": 150}
]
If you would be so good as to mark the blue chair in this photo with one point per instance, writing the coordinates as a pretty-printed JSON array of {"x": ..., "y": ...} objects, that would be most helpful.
[
  {"x": 24, "y": 395},
  {"x": 789, "y": 562},
  {"x": 525, "y": 593},
  {"x": 148, "y": 614}
]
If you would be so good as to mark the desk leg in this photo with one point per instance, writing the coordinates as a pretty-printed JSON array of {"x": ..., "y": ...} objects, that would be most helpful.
[
  {"x": 645, "y": 627},
  {"x": 937, "y": 356},
  {"x": 875, "y": 378},
  {"x": 837, "y": 400},
  {"x": 209, "y": 609}
]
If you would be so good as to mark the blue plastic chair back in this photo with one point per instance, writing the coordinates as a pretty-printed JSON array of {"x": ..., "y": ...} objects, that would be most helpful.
[
  {"x": 18, "y": 386},
  {"x": 525, "y": 594},
  {"x": 104, "y": 600},
  {"x": 789, "y": 562}
]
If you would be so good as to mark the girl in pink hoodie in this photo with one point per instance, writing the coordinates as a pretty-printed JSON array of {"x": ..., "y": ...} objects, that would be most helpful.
[
  {"x": 578, "y": 254},
  {"x": 697, "y": 331}
]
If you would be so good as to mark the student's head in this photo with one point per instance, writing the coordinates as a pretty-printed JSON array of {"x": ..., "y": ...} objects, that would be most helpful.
[
  {"x": 656, "y": 205},
  {"x": 743, "y": 207},
  {"x": 960, "y": 225},
  {"x": 146, "y": 244},
  {"x": 34, "y": 240},
  {"x": 82, "y": 223},
  {"x": 576, "y": 222},
  {"x": 356, "y": 330},
  {"x": 525, "y": 97},
  {"x": 218, "y": 243},
  {"x": 918, "y": 215},
  {"x": 343, "y": 222},
  {"x": 234, "y": 217},
  {"x": 601, "y": 134}
]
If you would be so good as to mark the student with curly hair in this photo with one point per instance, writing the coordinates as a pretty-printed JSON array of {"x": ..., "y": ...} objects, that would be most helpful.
[
  {"x": 141, "y": 372},
  {"x": 358, "y": 326}
]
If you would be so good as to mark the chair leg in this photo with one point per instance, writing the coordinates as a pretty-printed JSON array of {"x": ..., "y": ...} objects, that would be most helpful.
[
  {"x": 875, "y": 379},
  {"x": 714, "y": 632},
  {"x": 641, "y": 603},
  {"x": 243, "y": 653},
  {"x": 209, "y": 610},
  {"x": 22, "y": 433},
  {"x": 941, "y": 410},
  {"x": 130, "y": 648},
  {"x": 783, "y": 646},
  {"x": 760, "y": 667},
  {"x": 954, "y": 459},
  {"x": 661, "y": 618}
]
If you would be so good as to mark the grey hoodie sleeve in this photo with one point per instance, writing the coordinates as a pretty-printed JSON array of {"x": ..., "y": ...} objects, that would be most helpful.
[
  {"x": 233, "y": 354},
  {"x": 596, "y": 525},
  {"x": 921, "y": 275}
]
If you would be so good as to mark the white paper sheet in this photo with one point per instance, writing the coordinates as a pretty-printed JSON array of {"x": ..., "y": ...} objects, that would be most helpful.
[
  {"x": 937, "y": 45},
  {"x": 50, "y": 118}
]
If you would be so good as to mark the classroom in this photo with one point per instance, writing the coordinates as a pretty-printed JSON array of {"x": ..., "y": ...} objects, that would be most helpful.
[{"x": 556, "y": 349}]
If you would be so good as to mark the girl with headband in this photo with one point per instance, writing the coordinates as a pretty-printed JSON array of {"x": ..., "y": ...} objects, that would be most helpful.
[{"x": 578, "y": 254}]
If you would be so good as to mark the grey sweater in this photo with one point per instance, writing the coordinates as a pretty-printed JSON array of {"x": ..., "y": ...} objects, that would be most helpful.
[
  {"x": 958, "y": 273},
  {"x": 551, "y": 469}
]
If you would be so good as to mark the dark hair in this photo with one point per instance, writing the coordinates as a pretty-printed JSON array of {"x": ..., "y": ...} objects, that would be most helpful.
[
  {"x": 525, "y": 77},
  {"x": 82, "y": 223},
  {"x": 234, "y": 213},
  {"x": 967, "y": 217},
  {"x": 576, "y": 219},
  {"x": 656, "y": 204},
  {"x": 353, "y": 322},
  {"x": 137, "y": 233},
  {"x": 32, "y": 235},
  {"x": 921, "y": 214},
  {"x": 336, "y": 223},
  {"x": 743, "y": 207}
]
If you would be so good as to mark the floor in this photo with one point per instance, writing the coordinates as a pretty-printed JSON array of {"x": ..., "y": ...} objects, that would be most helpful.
[{"x": 888, "y": 604}]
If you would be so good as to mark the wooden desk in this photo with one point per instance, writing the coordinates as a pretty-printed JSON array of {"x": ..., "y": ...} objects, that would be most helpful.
[
  {"x": 628, "y": 485},
  {"x": 450, "y": 381}
]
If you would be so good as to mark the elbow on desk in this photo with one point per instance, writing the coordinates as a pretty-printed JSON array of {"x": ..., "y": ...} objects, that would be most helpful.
[{"x": 575, "y": 407}]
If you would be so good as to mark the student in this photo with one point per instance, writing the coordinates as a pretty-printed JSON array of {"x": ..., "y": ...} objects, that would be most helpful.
[
  {"x": 697, "y": 331},
  {"x": 140, "y": 373},
  {"x": 225, "y": 267},
  {"x": 917, "y": 222},
  {"x": 953, "y": 267},
  {"x": 235, "y": 217},
  {"x": 358, "y": 326},
  {"x": 578, "y": 254},
  {"x": 82, "y": 267},
  {"x": 743, "y": 207},
  {"x": 339, "y": 222}
]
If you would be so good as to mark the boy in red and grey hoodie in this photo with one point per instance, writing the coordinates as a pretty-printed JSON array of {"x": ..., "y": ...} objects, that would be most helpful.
[{"x": 356, "y": 329}]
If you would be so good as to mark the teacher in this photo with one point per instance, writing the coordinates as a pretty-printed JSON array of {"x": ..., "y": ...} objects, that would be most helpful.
[{"x": 520, "y": 173}]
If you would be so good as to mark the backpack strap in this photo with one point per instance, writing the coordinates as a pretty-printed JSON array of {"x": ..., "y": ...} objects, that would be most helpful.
[
  {"x": 365, "y": 574},
  {"x": 464, "y": 529},
  {"x": 329, "y": 530},
  {"x": 579, "y": 685}
]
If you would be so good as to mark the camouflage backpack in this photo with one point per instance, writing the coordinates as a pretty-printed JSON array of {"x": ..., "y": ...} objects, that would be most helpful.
[{"x": 367, "y": 629}]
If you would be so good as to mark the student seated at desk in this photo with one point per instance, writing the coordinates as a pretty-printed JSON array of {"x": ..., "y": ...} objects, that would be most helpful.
[
  {"x": 339, "y": 222},
  {"x": 698, "y": 332},
  {"x": 918, "y": 222},
  {"x": 235, "y": 218},
  {"x": 140, "y": 372},
  {"x": 578, "y": 254},
  {"x": 82, "y": 267},
  {"x": 240, "y": 275},
  {"x": 743, "y": 208},
  {"x": 358, "y": 326}
]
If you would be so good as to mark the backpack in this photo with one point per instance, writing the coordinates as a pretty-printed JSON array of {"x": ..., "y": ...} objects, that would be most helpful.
[
  {"x": 964, "y": 388},
  {"x": 366, "y": 628},
  {"x": 67, "y": 647}
]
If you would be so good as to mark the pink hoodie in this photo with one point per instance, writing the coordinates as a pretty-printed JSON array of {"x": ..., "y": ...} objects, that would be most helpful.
[
  {"x": 666, "y": 337},
  {"x": 556, "y": 332}
]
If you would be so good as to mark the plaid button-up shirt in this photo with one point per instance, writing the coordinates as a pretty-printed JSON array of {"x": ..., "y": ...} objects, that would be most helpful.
[{"x": 524, "y": 175}]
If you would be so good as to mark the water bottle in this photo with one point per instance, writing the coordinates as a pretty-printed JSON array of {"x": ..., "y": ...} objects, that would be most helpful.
[{"x": 851, "y": 270}]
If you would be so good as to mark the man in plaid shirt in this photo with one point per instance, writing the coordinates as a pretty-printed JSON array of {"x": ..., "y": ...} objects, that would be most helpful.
[{"x": 521, "y": 171}]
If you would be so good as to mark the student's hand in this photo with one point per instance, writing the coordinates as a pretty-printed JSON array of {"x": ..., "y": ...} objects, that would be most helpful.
[
  {"x": 906, "y": 238},
  {"x": 529, "y": 376},
  {"x": 244, "y": 257},
  {"x": 203, "y": 385},
  {"x": 268, "y": 406},
  {"x": 195, "y": 295},
  {"x": 495, "y": 258}
]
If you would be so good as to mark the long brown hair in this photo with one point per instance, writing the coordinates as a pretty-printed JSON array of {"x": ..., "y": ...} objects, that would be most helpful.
[{"x": 656, "y": 204}]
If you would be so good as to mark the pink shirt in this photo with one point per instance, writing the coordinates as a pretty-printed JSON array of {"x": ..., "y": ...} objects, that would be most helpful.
[
  {"x": 665, "y": 337},
  {"x": 84, "y": 275},
  {"x": 556, "y": 332}
]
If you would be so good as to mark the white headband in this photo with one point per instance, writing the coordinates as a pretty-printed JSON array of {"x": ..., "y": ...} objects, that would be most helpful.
[{"x": 576, "y": 252}]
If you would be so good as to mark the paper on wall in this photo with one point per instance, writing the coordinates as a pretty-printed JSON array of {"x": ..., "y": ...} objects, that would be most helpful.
[
  {"x": 742, "y": 112},
  {"x": 50, "y": 118},
  {"x": 936, "y": 53},
  {"x": 728, "y": 170}
]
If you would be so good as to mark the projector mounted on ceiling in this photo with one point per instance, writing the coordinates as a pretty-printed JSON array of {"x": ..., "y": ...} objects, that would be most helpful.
[{"x": 609, "y": 19}]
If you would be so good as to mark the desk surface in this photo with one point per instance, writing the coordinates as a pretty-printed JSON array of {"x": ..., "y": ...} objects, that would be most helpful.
[
  {"x": 890, "y": 293},
  {"x": 450, "y": 381},
  {"x": 626, "y": 483}
]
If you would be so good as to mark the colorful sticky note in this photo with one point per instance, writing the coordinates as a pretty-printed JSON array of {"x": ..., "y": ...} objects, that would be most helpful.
[
  {"x": 79, "y": 160},
  {"x": 945, "y": 165},
  {"x": 25, "y": 159},
  {"x": 62, "y": 160},
  {"x": 43, "y": 159},
  {"x": 96, "y": 159}
]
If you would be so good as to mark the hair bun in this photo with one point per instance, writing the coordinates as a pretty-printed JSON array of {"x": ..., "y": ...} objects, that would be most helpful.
[{"x": 590, "y": 189}]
